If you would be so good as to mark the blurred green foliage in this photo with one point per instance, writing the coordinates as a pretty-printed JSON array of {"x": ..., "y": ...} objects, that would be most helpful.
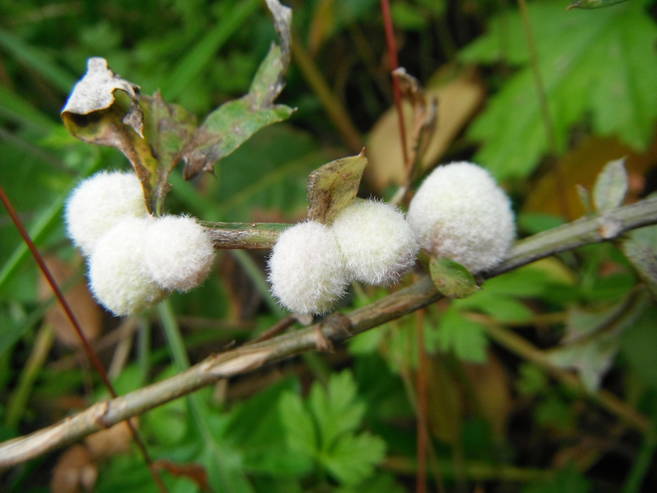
[{"x": 344, "y": 421}]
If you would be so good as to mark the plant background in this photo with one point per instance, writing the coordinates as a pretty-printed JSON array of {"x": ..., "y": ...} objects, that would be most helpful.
[{"x": 344, "y": 421}]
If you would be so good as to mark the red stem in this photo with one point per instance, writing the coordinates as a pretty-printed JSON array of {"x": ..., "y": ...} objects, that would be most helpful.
[
  {"x": 394, "y": 64},
  {"x": 91, "y": 354}
]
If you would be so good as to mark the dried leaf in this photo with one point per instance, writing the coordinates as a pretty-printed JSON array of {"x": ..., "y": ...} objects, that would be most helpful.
[
  {"x": 641, "y": 250},
  {"x": 86, "y": 310},
  {"x": 194, "y": 472},
  {"x": 445, "y": 413},
  {"x": 75, "y": 471},
  {"x": 581, "y": 166},
  {"x": 104, "y": 109},
  {"x": 333, "y": 186},
  {"x": 491, "y": 384},
  {"x": 611, "y": 186},
  {"x": 451, "y": 278},
  {"x": 457, "y": 99},
  {"x": 230, "y": 125},
  {"x": 113, "y": 441}
]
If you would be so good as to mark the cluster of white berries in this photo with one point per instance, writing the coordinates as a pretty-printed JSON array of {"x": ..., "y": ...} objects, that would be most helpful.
[
  {"x": 312, "y": 264},
  {"x": 459, "y": 212},
  {"x": 134, "y": 259}
]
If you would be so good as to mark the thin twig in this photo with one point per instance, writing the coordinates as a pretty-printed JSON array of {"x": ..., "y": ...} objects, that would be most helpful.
[
  {"x": 249, "y": 358},
  {"x": 396, "y": 90},
  {"x": 91, "y": 354}
]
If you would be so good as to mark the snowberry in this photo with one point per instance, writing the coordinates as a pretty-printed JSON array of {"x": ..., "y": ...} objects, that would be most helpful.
[
  {"x": 179, "y": 253},
  {"x": 118, "y": 275},
  {"x": 459, "y": 212},
  {"x": 377, "y": 243},
  {"x": 100, "y": 202},
  {"x": 306, "y": 268}
]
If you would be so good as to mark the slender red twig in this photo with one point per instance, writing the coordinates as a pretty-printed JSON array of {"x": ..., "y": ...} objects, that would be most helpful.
[
  {"x": 91, "y": 354},
  {"x": 394, "y": 64}
]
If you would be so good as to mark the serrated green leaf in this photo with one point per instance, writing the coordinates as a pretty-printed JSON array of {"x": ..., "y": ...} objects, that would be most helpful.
[
  {"x": 334, "y": 186},
  {"x": 300, "y": 430},
  {"x": 460, "y": 335},
  {"x": 611, "y": 186},
  {"x": 451, "y": 278},
  {"x": 602, "y": 64},
  {"x": 641, "y": 250},
  {"x": 336, "y": 408},
  {"x": 353, "y": 457},
  {"x": 230, "y": 125},
  {"x": 592, "y": 340}
]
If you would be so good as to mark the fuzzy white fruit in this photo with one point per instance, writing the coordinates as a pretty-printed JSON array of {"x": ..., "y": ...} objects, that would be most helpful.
[
  {"x": 461, "y": 213},
  {"x": 377, "y": 243},
  {"x": 118, "y": 275},
  {"x": 99, "y": 203},
  {"x": 179, "y": 252},
  {"x": 306, "y": 268}
]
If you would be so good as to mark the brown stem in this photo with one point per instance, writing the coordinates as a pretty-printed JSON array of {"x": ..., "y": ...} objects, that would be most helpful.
[
  {"x": 396, "y": 90},
  {"x": 251, "y": 357},
  {"x": 91, "y": 354}
]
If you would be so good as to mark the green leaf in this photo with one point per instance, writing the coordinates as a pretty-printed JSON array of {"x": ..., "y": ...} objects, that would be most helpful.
[
  {"x": 298, "y": 424},
  {"x": 335, "y": 408},
  {"x": 353, "y": 457},
  {"x": 333, "y": 186},
  {"x": 592, "y": 340},
  {"x": 611, "y": 186},
  {"x": 640, "y": 250},
  {"x": 638, "y": 345},
  {"x": 451, "y": 278},
  {"x": 229, "y": 126},
  {"x": 460, "y": 335},
  {"x": 603, "y": 65},
  {"x": 501, "y": 307}
]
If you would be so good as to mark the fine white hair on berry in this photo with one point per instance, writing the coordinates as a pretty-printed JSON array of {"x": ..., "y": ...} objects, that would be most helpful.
[
  {"x": 179, "y": 252},
  {"x": 118, "y": 275},
  {"x": 306, "y": 268},
  {"x": 461, "y": 213},
  {"x": 100, "y": 202},
  {"x": 377, "y": 243}
]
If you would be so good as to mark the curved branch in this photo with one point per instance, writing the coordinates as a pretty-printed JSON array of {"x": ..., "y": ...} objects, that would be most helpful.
[{"x": 336, "y": 327}]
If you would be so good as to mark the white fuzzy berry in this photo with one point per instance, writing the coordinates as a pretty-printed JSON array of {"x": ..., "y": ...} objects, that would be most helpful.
[
  {"x": 118, "y": 275},
  {"x": 100, "y": 202},
  {"x": 377, "y": 243},
  {"x": 179, "y": 252},
  {"x": 306, "y": 268},
  {"x": 460, "y": 212}
]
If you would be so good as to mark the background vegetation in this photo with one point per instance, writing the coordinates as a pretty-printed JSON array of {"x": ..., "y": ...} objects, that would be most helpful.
[{"x": 514, "y": 374}]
